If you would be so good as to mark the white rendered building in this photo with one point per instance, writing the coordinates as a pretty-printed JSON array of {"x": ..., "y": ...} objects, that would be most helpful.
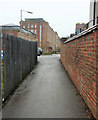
[{"x": 93, "y": 12}]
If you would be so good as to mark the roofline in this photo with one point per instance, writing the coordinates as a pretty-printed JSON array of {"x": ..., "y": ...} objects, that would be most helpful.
[
  {"x": 18, "y": 28},
  {"x": 40, "y": 19}
]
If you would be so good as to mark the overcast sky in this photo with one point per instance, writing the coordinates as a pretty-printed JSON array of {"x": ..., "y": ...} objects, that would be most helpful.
[{"x": 62, "y": 15}]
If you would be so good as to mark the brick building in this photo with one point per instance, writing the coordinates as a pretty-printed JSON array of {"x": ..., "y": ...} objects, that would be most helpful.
[
  {"x": 58, "y": 43},
  {"x": 46, "y": 36},
  {"x": 80, "y": 27},
  {"x": 18, "y": 32}
]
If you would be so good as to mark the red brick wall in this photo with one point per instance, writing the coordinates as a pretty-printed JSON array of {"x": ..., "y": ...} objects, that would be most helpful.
[{"x": 80, "y": 59}]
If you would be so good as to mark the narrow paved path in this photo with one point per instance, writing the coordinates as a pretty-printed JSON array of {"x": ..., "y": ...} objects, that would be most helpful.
[{"x": 46, "y": 93}]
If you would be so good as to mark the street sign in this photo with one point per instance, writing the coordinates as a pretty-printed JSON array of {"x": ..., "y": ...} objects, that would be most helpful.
[{"x": 59, "y": 40}]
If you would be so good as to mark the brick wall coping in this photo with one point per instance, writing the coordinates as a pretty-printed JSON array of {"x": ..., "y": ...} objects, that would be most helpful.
[{"x": 82, "y": 33}]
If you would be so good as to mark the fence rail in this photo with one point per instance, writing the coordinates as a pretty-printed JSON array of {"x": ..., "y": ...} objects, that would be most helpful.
[{"x": 19, "y": 57}]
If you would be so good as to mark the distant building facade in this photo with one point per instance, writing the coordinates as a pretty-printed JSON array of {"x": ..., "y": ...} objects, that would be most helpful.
[
  {"x": 46, "y": 37},
  {"x": 18, "y": 32},
  {"x": 58, "y": 43},
  {"x": 80, "y": 27},
  {"x": 93, "y": 12}
]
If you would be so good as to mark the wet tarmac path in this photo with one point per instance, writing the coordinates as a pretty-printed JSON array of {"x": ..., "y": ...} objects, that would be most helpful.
[{"x": 47, "y": 92}]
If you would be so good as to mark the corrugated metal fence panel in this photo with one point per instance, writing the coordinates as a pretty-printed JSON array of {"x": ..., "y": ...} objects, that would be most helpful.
[
  {"x": 20, "y": 56},
  {"x": 6, "y": 64}
]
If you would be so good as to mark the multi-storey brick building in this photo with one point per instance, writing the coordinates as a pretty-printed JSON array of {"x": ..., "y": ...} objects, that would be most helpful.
[{"x": 46, "y": 36}]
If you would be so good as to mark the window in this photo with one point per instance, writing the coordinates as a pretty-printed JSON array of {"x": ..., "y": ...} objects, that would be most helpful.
[
  {"x": 28, "y": 26},
  {"x": 35, "y": 31},
  {"x": 32, "y": 26},
  {"x": 32, "y": 31},
  {"x": 35, "y": 26},
  {"x": 40, "y": 34}
]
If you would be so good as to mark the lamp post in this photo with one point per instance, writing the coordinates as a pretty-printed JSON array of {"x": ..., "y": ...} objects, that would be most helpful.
[
  {"x": 21, "y": 16},
  {"x": 21, "y": 20}
]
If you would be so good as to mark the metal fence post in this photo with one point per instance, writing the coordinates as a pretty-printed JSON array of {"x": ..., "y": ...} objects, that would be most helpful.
[
  {"x": 97, "y": 19},
  {"x": 87, "y": 25}
]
